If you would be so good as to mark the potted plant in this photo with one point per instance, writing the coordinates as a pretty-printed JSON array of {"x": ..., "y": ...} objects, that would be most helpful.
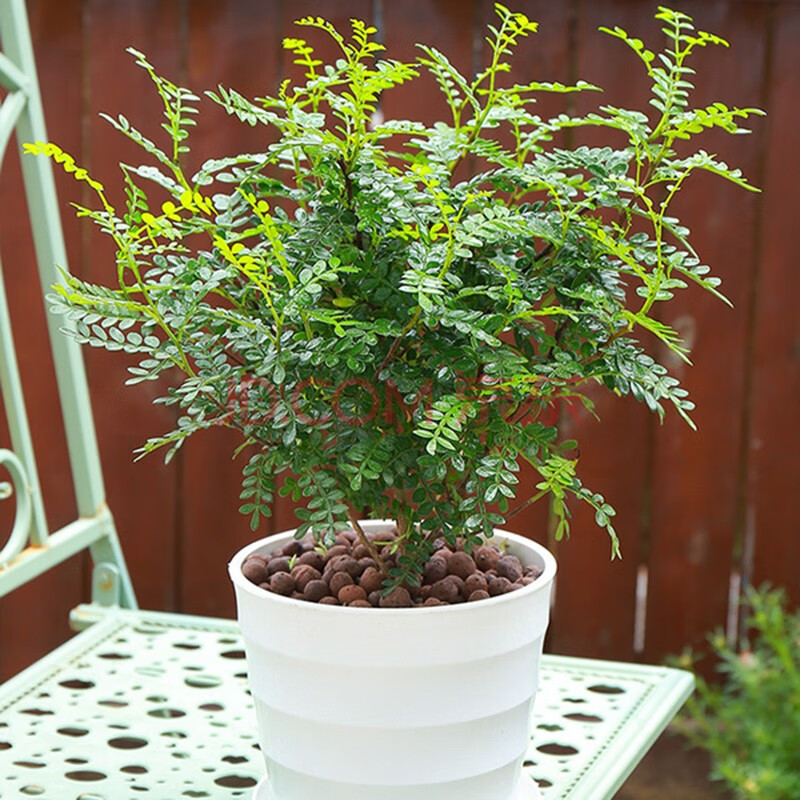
[{"x": 385, "y": 309}]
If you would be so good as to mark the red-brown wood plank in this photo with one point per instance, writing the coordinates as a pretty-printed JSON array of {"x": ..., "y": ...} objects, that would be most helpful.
[
  {"x": 695, "y": 475},
  {"x": 773, "y": 514},
  {"x": 142, "y": 495},
  {"x": 449, "y": 26},
  {"x": 223, "y": 40},
  {"x": 595, "y": 596},
  {"x": 28, "y": 627}
]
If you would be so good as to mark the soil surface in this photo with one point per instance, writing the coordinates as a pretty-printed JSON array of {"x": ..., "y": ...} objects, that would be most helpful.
[{"x": 673, "y": 771}]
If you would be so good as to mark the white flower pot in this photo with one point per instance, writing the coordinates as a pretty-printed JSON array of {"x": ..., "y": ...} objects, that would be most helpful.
[{"x": 394, "y": 704}]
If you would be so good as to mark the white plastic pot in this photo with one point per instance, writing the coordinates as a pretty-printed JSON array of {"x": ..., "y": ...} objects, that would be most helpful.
[{"x": 394, "y": 704}]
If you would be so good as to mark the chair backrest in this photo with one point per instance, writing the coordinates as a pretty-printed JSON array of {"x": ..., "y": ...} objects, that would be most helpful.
[{"x": 32, "y": 547}]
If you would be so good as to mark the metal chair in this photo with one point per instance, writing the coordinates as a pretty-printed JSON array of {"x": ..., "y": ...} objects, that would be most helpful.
[{"x": 146, "y": 702}]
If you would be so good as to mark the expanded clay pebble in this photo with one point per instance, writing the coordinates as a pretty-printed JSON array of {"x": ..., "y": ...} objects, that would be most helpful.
[
  {"x": 435, "y": 570},
  {"x": 445, "y": 590},
  {"x": 345, "y": 563},
  {"x": 499, "y": 586},
  {"x": 397, "y": 598},
  {"x": 336, "y": 550},
  {"x": 316, "y": 591},
  {"x": 345, "y": 574},
  {"x": 475, "y": 582},
  {"x": 360, "y": 551},
  {"x": 304, "y": 573},
  {"x": 282, "y": 583},
  {"x": 280, "y": 564},
  {"x": 293, "y": 548},
  {"x": 509, "y": 567},
  {"x": 532, "y": 571},
  {"x": 459, "y": 584},
  {"x": 349, "y": 594},
  {"x": 486, "y": 557},
  {"x": 371, "y": 580},
  {"x": 255, "y": 570},
  {"x": 461, "y": 564},
  {"x": 313, "y": 559},
  {"x": 338, "y": 580}
]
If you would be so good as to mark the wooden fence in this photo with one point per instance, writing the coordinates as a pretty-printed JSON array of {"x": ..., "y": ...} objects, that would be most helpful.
[{"x": 694, "y": 509}]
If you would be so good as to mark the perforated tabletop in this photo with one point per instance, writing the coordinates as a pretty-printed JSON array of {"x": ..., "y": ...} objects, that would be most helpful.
[{"x": 156, "y": 705}]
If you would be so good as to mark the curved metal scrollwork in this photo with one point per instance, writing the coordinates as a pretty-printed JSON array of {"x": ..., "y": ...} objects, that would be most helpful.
[{"x": 22, "y": 518}]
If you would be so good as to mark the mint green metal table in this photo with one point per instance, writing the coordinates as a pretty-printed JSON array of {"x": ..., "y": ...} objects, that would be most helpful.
[{"x": 145, "y": 703}]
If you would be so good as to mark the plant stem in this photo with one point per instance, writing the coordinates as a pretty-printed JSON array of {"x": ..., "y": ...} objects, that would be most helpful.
[
  {"x": 528, "y": 502},
  {"x": 362, "y": 537}
]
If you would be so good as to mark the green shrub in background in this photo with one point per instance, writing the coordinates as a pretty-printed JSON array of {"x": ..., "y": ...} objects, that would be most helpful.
[{"x": 750, "y": 723}]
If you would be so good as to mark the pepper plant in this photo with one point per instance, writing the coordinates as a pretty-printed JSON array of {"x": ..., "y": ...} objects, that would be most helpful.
[{"x": 385, "y": 326}]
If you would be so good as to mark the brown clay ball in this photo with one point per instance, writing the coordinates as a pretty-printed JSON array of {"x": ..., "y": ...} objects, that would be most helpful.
[
  {"x": 478, "y": 594},
  {"x": 486, "y": 557},
  {"x": 255, "y": 570},
  {"x": 360, "y": 551},
  {"x": 397, "y": 598},
  {"x": 532, "y": 570},
  {"x": 444, "y": 552},
  {"x": 435, "y": 570},
  {"x": 293, "y": 548},
  {"x": 282, "y": 583},
  {"x": 459, "y": 584},
  {"x": 338, "y": 580},
  {"x": 279, "y": 564},
  {"x": 313, "y": 559},
  {"x": 345, "y": 563},
  {"x": 336, "y": 550},
  {"x": 476, "y": 582},
  {"x": 304, "y": 573},
  {"x": 315, "y": 590},
  {"x": 328, "y": 601},
  {"x": 360, "y": 604},
  {"x": 349, "y": 594},
  {"x": 499, "y": 586},
  {"x": 445, "y": 590},
  {"x": 509, "y": 567},
  {"x": 461, "y": 564},
  {"x": 371, "y": 580}
]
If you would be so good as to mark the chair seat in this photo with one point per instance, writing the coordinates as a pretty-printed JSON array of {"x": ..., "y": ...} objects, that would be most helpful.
[{"x": 154, "y": 704}]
